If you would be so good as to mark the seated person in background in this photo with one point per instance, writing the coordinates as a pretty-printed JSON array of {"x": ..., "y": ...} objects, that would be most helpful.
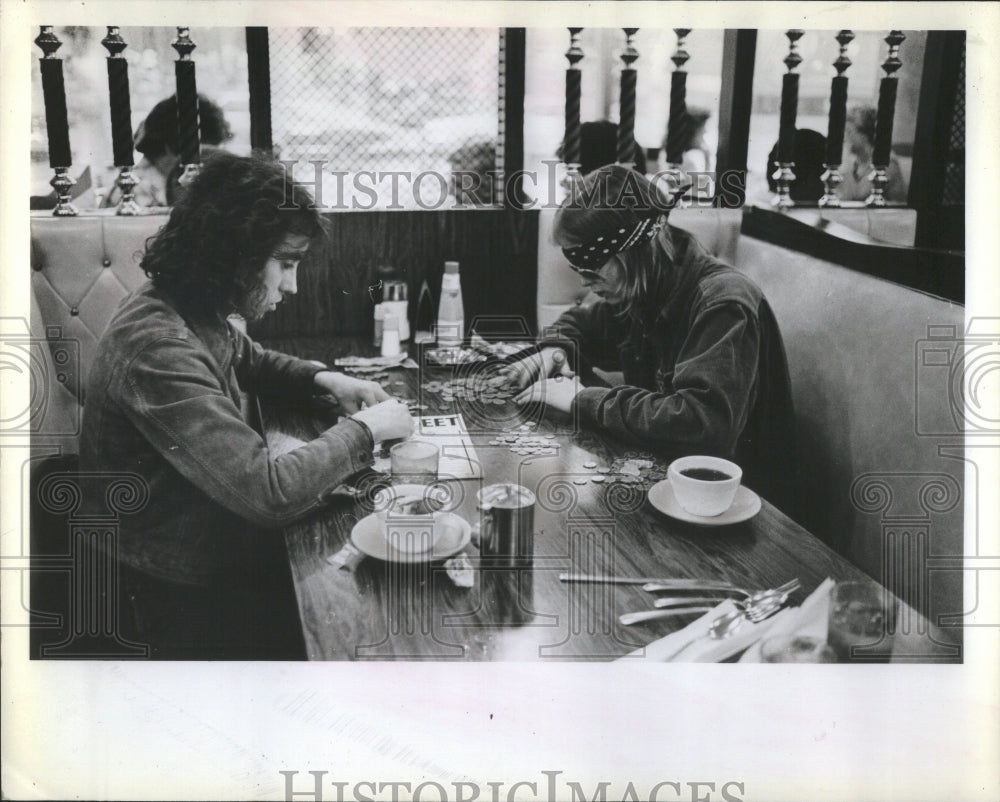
[
  {"x": 203, "y": 567},
  {"x": 702, "y": 357},
  {"x": 160, "y": 167},
  {"x": 599, "y": 146},
  {"x": 859, "y": 142},
  {"x": 697, "y": 157},
  {"x": 809, "y": 155},
  {"x": 471, "y": 181}
]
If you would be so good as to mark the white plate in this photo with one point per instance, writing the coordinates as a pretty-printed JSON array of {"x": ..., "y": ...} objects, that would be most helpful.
[
  {"x": 368, "y": 535},
  {"x": 744, "y": 507}
]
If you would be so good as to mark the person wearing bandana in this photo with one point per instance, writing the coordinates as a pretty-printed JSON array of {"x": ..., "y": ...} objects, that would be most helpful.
[{"x": 703, "y": 363}]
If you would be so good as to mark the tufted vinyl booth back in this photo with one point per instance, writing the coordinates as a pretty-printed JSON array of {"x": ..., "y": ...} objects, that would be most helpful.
[{"x": 82, "y": 267}]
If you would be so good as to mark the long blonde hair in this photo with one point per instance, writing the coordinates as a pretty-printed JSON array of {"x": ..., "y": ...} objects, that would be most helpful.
[{"x": 609, "y": 200}]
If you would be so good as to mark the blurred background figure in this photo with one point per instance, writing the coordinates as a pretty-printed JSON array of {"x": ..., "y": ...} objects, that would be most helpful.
[
  {"x": 809, "y": 155},
  {"x": 471, "y": 181},
  {"x": 599, "y": 147},
  {"x": 859, "y": 141},
  {"x": 159, "y": 168},
  {"x": 697, "y": 157}
]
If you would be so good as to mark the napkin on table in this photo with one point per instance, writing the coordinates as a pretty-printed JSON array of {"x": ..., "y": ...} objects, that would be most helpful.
[
  {"x": 809, "y": 619},
  {"x": 702, "y": 649}
]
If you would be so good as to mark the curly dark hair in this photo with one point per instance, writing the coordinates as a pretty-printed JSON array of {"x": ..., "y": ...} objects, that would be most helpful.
[
  {"x": 223, "y": 229},
  {"x": 159, "y": 130}
]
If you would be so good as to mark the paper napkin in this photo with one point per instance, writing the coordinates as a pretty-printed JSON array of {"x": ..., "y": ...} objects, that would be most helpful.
[
  {"x": 809, "y": 619},
  {"x": 702, "y": 649}
]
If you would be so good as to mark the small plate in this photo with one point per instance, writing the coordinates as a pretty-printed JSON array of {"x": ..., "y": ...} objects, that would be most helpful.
[
  {"x": 744, "y": 507},
  {"x": 369, "y": 536}
]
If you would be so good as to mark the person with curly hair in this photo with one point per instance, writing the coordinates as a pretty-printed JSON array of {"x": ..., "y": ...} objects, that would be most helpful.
[
  {"x": 202, "y": 563},
  {"x": 703, "y": 362},
  {"x": 159, "y": 169}
]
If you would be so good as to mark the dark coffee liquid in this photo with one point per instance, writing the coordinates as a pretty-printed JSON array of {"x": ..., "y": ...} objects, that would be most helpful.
[{"x": 706, "y": 474}]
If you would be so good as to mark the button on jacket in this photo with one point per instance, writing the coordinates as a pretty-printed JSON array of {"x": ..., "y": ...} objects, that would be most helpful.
[{"x": 164, "y": 402}]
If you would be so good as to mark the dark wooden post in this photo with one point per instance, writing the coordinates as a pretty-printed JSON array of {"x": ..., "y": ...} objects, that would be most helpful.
[
  {"x": 883, "y": 121},
  {"x": 121, "y": 120},
  {"x": 676, "y": 128},
  {"x": 188, "y": 134},
  {"x": 626, "y": 102},
  {"x": 571, "y": 136},
  {"x": 259, "y": 84},
  {"x": 784, "y": 176},
  {"x": 509, "y": 186},
  {"x": 835, "y": 124},
  {"x": 735, "y": 98},
  {"x": 56, "y": 120}
]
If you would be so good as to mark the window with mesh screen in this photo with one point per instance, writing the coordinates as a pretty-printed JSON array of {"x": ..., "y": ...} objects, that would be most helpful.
[{"x": 393, "y": 114}]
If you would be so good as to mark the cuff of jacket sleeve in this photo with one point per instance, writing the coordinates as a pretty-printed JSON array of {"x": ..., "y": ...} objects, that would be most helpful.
[
  {"x": 588, "y": 401},
  {"x": 303, "y": 376},
  {"x": 358, "y": 438}
]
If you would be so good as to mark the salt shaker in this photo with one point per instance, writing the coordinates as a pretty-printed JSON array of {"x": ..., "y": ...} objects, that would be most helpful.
[
  {"x": 390, "y": 336},
  {"x": 379, "y": 320}
]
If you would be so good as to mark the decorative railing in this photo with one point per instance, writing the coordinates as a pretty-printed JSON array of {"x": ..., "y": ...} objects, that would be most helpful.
[{"x": 732, "y": 155}]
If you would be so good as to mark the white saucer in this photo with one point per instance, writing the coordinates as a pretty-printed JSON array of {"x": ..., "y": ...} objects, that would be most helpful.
[
  {"x": 368, "y": 535},
  {"x": 744, "y": 507}
]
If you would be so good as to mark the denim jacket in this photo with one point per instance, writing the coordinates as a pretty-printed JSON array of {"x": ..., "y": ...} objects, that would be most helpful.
[
  {"x": 164, "y": 402},
  {"x": 704, "y": 370}
]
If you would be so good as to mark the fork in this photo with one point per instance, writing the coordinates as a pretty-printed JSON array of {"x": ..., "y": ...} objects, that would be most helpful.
[
  {"x": 769, "y": 602},
  {"x": 751, "y": 598}
]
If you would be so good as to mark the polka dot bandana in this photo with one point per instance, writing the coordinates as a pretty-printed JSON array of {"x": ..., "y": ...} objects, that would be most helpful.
[{"x": 591, "y": 255}]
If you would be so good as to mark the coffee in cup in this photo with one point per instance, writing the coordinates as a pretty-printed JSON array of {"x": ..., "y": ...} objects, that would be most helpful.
[{"x": 704, "y": 486}]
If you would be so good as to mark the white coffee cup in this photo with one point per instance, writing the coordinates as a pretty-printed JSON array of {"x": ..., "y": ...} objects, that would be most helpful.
[{"x": 704, "y": 485}]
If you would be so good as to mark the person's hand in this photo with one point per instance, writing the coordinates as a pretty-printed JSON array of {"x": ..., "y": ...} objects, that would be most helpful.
[
  {"x": 352, "y": 394},
  {"x": 557, "y": 393},
  {"x": 547, "y": 362},
  {"x": 389, "y": 420}
]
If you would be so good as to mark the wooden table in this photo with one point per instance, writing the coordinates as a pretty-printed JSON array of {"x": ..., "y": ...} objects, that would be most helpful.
[{"x": 370, "y": 609}]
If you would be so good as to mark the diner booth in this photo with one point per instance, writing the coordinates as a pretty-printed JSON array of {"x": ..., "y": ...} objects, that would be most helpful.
[{"x": 868, "y": 295}]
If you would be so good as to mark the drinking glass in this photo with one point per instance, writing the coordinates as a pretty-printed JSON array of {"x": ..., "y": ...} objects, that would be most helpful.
[
  {"x": 796, "y": 649},
  {"x": 414, "y": 462},
  {"x": 862, "y": 622}
]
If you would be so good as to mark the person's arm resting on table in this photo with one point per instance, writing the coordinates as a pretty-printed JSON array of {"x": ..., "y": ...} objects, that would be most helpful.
[
  {"x": 713, "y": 388},
  {"x": 174, "y": 398}
]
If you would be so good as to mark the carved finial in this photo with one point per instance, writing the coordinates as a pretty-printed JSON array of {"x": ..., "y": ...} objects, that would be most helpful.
[
  {"x": 892, "y": 62},
  {"x": 575, "y": 53},
  {"x": 48, "y": 41},
  {"x": 629, "y": 54},
  {"x": 680, "y": 56},
  {"x": 793, "y": 59},
  {"x": 183, "y": 44},
  {"x": 844, "y": 38},
  {"x": 113, "y": 42}
]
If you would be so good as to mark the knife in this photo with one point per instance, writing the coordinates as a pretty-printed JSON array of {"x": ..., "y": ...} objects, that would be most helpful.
[{"x": 668, "y": 583}]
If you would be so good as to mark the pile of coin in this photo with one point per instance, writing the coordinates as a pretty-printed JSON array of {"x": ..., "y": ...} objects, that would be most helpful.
[
  {"x": 478, "y": 387},
  {"x": 525, "y": 441},
  {"x": 632, "y": 469}
]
